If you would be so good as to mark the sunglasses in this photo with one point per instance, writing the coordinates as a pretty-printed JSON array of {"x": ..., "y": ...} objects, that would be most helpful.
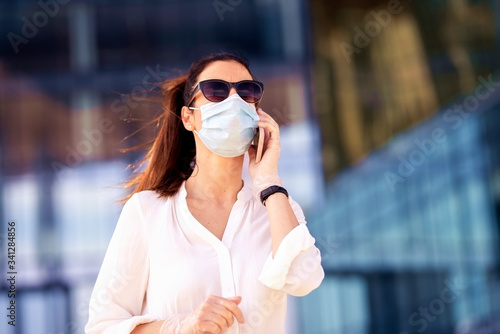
[{"x": 216, "y": 90}]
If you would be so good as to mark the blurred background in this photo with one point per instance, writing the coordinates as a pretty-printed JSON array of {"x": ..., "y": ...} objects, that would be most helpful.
[{"x": 389, "y": 113}]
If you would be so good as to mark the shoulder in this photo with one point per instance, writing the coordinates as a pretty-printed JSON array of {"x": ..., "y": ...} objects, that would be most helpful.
[
  {"x": 150, "y": 203},
  {"x": 148, "y": 199},
  {"x": 148, "y": 196}
]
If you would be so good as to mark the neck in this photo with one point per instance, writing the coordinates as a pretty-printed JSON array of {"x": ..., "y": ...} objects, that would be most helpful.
[{"x": 215, "y": 177}]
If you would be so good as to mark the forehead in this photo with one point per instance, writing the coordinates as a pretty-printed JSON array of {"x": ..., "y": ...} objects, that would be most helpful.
[{"x": 228, "y": 70}]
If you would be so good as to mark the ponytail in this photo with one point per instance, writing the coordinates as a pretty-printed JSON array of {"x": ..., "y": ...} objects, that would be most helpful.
[{"x": 169, "y": 159}]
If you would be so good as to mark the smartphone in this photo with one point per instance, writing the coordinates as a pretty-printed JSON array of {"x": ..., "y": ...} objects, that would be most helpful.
[{"x": 258, "y": 140}]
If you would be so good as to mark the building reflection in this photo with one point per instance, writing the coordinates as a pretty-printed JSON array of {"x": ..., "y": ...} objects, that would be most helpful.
[{"x": 409, "y": 234}]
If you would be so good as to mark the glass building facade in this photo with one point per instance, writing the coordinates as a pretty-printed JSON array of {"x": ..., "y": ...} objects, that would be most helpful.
[
  {"x": 383, "y": 66},
  {"x": 410, "y": 235}
]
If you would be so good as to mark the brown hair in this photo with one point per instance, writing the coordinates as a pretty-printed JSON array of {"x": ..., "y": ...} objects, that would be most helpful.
[{"x": 171, "y": 155}]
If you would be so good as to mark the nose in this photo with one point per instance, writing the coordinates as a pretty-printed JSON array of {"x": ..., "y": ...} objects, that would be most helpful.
[{"x": 232, "y": 91}]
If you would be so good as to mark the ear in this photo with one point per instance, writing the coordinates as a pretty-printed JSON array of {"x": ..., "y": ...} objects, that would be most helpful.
[{"x": 187, "y": 118}]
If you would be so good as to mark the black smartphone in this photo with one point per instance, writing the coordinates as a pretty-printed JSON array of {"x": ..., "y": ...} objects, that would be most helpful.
[{"x": 258, "y": 140}]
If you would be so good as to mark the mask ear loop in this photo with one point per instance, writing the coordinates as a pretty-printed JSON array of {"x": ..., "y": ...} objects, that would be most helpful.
[{"x": 193, "y": 108}]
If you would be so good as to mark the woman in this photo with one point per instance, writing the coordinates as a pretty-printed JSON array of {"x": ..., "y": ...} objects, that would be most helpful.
[{"x": 196, "y": 250}]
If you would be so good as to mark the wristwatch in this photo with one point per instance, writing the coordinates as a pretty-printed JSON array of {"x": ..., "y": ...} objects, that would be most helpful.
[{"x": 271, "y": 190}]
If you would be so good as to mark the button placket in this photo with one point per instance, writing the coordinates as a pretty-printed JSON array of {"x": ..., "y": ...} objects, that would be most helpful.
[{"x": 226, "y": 272}]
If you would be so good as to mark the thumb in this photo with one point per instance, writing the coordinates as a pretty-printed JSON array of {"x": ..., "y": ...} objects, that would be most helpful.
[{"x": 236, "y": 299}]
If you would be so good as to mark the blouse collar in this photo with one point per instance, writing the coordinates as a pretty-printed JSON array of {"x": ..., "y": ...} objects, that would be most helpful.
[{"x": 244, "y": 195}]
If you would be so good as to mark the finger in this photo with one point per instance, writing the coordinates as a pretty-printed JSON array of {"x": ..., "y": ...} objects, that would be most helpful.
[
  {"x": 231, "y": 311},
  {"x": 271, "y": 136},
  {"x": 232, "y": 306},
  {"x": 213, "y": 310},
  {"x": 262, "y": 112},
  {"x": 272, "y": 130},
  {"x": 208, "y": 327},
  {"x": 218, "y": 311},
  {"x": 268, "y": 122},
  {"x": 265, "y": 116},
  {"x": 222, "y": 317},
  {"x": 216, "y": 315},
  {"x": 228, "y": 304},
  {"x": 236, "y": 299}
]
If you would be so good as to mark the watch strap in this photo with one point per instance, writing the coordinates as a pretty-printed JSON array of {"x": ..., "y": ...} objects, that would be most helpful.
[{"x": 270, "y": 191}]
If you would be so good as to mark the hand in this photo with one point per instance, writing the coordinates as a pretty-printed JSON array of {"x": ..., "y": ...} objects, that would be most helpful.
[
  {"x": 265, "y": 173},
  {"x": 213, "y": 316}
]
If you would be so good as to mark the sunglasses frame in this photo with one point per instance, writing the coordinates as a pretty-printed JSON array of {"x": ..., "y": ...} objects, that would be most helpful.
[{"x": 200, "y": 85}]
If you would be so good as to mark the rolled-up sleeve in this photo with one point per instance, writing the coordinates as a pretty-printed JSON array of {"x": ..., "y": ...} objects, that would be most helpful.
[
  {"x": 296, "y": 267},
  {"x": 116, "y": 304}
]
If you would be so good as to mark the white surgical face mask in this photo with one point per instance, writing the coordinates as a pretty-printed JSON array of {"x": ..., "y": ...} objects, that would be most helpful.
[{"x": 228, "y": 127}]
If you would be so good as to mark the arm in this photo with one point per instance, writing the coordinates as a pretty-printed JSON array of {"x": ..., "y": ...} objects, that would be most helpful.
[
  {"x": 294, "y": 265},
  {"x": 282, "y": 219},
  {"x": 265, "y": 174},
  {"x": 117, "y": 299}
]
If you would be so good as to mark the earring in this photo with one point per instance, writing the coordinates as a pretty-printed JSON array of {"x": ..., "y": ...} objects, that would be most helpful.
[{"x": 190, "y": 127}]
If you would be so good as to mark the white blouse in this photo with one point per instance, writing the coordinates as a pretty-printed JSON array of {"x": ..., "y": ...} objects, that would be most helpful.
[{"x": 161, "y": 262}]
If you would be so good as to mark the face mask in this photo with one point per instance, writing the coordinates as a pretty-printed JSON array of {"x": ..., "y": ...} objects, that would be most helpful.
[{"x": 228, "y": 127}]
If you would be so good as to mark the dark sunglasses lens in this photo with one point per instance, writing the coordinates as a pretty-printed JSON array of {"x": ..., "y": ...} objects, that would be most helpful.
[
  {"x": 215, "y": 91},
  {"x": 249, "y": 91}
]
